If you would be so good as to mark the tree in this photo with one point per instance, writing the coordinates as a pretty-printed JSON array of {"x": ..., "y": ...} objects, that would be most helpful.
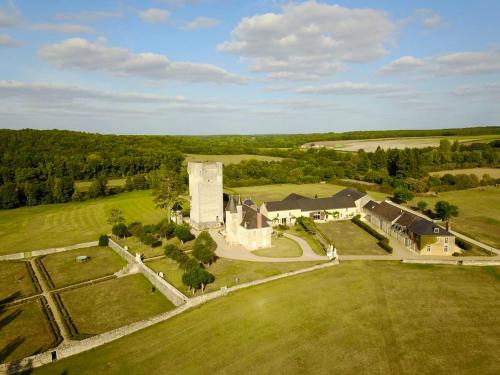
[
  {"x": 402, "y": 195},
  {"x": 135, "y": 229},
  {"x": 422, "y": 205},
  {"x": 98, "y": 187},
  {"x": 115, "y": 216},
  {"x": 183, "y": 233},
  {"x": 103, "y": 240},
  {"x": 204, "y": 248},
  {"x": 9, "y": 198},
  {"x": 445, "y": 210},
  {"x": 120, "y": 230},
  {"x": 167, "y": 191},
  {"x": 166, "y": 229},
  {"x": 197, "y": 277}
]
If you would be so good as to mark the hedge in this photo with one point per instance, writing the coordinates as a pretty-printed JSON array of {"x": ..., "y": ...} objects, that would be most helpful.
[
  {"x": 44, "y": 273},
  {"x": 34, "y": 280},
  {"x": 49, "y": 315},
  {"x": 383, "y": 241}
]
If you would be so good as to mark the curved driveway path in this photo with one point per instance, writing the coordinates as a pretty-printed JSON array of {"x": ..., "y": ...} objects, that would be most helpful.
[{"x": 238, "y": 252}]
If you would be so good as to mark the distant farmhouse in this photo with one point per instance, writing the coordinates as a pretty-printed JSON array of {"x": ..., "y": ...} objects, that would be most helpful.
[
  {"x": 243, "y": 223},
  {"x": 344, "y": 205},
  {"x": 416, "y": 233}
]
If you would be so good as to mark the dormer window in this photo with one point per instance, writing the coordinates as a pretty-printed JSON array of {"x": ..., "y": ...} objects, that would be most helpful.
[{"x": 436, "y": 230}]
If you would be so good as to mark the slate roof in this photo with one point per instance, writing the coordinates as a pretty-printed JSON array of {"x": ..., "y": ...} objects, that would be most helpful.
[
  {"x": 371, "y": 205},
  {"x": 250, "y": 218},
  {"x": 407, "y": 219},
  {"x": 425, "y": 227},
  {"x": 231, "y": 205},
  {"x": 343, "y": 199},
  {"x": 387, "y": 211}
]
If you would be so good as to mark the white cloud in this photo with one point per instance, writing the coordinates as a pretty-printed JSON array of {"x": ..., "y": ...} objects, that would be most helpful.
[
  {"x": 64, "y": 28},
  {"x": 459, "y": 63},
  {"x": 201, "y": 23},
  {"x": 490, "y": 91},
  {"x": 88, "y": 15},
  {"x": 9, "y": 16},
  {"x": 180, "y": 2},
  {"x": 154, "y": 15},
  {"x": 311, "y": 39},
  {"x": 429, "y": 18},
  {"x": 7, "y": 41},
  {"x": 77, "y": 53},
  {"x": 346, "y": 88}
]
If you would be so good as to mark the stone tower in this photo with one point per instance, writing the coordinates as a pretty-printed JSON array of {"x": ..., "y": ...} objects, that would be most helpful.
[{"x": 206, "y": 195}]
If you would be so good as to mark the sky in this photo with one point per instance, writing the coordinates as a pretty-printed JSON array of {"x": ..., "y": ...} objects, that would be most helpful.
[{"x": 248, "y": 67}]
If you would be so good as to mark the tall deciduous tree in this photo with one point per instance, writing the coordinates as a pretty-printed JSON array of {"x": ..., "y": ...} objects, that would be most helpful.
[
  {"x": 166, "y": 191},
  {"x": 446, "y": 210}
]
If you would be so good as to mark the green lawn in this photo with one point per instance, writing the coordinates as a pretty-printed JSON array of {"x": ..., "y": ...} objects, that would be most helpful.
[
  {"x": 266, "y": 193},
  {"x": 136, "y": 246},
  {"x": 282, "y": 247},
  {"x": 24, "y": 331},
  {"x": 64, "y": 270},
  {"x": 349, "y": 239},
  {"x": 479, "y": 212},
  {"x": 229, "y": 159},
  {"x": 350, "y": 319},
  {"x": 40, "y": 227},
  {"x": 83, "y": 186},
  {"x": 226, "y": 271},
  {"x": 15, "y": 280},
  {"x": 296, "y": 230},
  {"x": 115, "y": 303}
]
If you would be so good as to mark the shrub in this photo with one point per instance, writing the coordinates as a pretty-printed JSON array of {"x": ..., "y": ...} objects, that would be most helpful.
[
  {"x": 150, "y": 228},
  {"x": 197, "y": 277},
  {"x": 283, "y": 227},
  {"x": 136, "y": 229},
  {"x": 189, "y": 263},
  {"x": 103, "y": 240},
  {"x": 170, "y": 250},
  {"x": 166, "y": 229},
  {"x": 463, "y": 244},
  {"x": 147, "y": 239},
  {"x": 307, "y": 224},
  {"x": 204, "y": 248},
  {"x": 157, "y": 243},
  {"x": 402, "y": 195},
  {"x": 120, "y": 230},
  {"x": 183, "y": 233}
]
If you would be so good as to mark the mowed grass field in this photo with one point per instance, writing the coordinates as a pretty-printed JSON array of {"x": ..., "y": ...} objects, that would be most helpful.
[
  {"x": 282, "y": 247},
  {"x": 479, "y": 212},
  {"x": 24, "y": 331},
  {"x": 349, "y": 239},
  {"x": 266, "y": 193},
  {"x": 229, "y": 159},
  {"x": 370, "y": 145},
  {"x": 31, "y": 228},
  {"x": 349, "y": 319},
  {"x": 114, "y": 303},
  {"x": 479, "y": 172},
  {"x": 64, "y": 270},
  {"x": 15, "y": 280},
  {"x": 226, "y": 272},
  {"x": 83, "y": 186}
]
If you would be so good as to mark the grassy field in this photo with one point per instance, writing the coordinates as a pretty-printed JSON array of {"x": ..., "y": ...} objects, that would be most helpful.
[
  {"x": 266, "y": 193},
  {"x": 115, "y": 303},
  {"x": 479, "y": 172},
  {"x": 226, "y": 271},
  {"x": 24, "y": 331},
  {"x": 64, "y": 270},
  {"x": 136, "y": 246},
  {"x": 479, "y": 212},
  {"x": 349, "y": 319},
  {"x": 370, "y": 145},
  {"x": 40, "y": 227},
  {"x": 282, "y": 247},
  {"x": 83, "y": 186},
  {"x": 229, "y": 159},
  {"x": 296, "y": 230},
  {"x": 349, "y": 239},
  {"x": 15, "y": 280}
]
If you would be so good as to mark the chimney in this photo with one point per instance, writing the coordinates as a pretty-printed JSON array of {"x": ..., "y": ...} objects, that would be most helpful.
[
  {"x": 448, "y": 226},
  {"x": 259, "y": 220}
]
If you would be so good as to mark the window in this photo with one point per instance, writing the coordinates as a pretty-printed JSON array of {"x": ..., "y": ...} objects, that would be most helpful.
[
  {"x": 446, "y": 240},
  {"x": 283, "y": 220},
  {"x": 445, "y": 248},
  {"x": 436, "y": 230},
  {"x": 428, "y": 248},
  {"x": 316, "y": 216},
  {"x": 278, "y": 214}
]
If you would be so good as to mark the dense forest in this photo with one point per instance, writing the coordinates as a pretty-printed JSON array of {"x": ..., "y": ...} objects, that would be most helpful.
[{"x": 40, "y": 167}]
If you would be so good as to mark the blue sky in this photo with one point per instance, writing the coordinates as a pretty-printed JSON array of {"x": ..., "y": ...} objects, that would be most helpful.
[{"x": 227, "y": 66}]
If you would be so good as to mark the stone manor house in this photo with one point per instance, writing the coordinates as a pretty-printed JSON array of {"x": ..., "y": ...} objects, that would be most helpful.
[{"x": 244, "y": 223}]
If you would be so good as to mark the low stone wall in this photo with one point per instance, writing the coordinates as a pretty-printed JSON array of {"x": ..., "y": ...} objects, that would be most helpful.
[
  {"x": 431, "y": 261},
  {"x": 76, "y": 347},
  {"x": 35, "y": 253},
  {"x": 481, "y": 262},
  {"x": 168, "y": 290}
]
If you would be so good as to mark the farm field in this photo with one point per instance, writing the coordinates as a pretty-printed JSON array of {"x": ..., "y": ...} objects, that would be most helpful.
[
  {"x": 226, "y": 271},
  {"x": 349, "y": 239},
  {"x": 32, "y": 228},
  {"x": 370, "y": 145},
  {"x": 64, "y": 270},
  {"x": 479, "y": 212},
  {"x": 24, "y": 331},
  {"x": 229, "y": 159},
  {"x": 479, "y": 172},
  {"x": 281, "y": 248},
  {"x": 283, "y": 327},
  {"x": 83, "y": 186},
  {"x": 266, "y": 193},
  {"x": 114, "y": 303},
  {"x": 15, "y": 280}
]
